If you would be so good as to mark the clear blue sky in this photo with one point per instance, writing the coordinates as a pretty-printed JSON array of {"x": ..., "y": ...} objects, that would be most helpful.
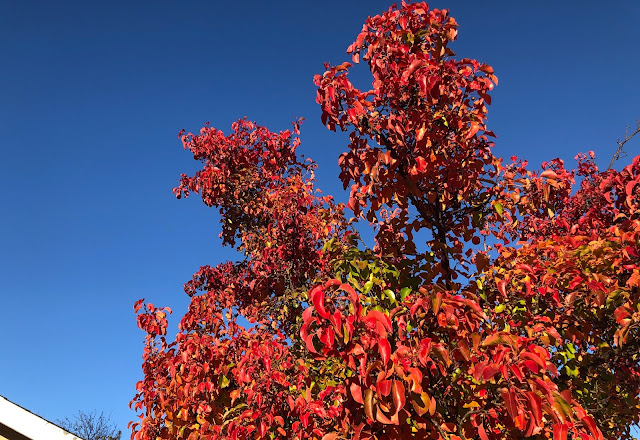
[{"x": 93, "y": 94}]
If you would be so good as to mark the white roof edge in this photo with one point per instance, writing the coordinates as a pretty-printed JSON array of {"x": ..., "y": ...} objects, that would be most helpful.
[{"x": 30, "y": 425}]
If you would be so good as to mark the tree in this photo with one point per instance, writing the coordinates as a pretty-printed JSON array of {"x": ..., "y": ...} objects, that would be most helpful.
[
  {"x": 91, "y": 426},
  {"x": 517, "y": 316}
]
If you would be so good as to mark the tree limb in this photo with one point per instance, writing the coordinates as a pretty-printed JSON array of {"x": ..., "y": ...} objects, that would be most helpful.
[{"x": 627, "y": 137}]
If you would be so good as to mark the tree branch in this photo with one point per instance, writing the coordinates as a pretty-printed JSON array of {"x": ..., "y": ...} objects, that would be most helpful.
[
  {"x": 438, "y": 229},
  {"x": 627, "y": 137}
]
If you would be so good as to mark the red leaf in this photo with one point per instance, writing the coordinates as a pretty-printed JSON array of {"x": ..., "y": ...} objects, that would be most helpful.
[
  {"x": 138, "y": 305},
  {"x": 532, "y": 366},
  {"x": 380, "y": 320},
  {"x": 535, "y": 402},
  {"x": 422, "y": 164},
  {"x": 317, "y": 297},
  {"x": 399, "y": 397},
  {"x": 356, "y": 392},
  {"x": 304, "y": 330},
  {"x": 560, "y": 431},
  {"x": 489, "y": 371},
  {"x": 356, "y": 432},
  {"x": 464, "y": 350},
  {"x": 482, "y": 433},
  {"x": 544, "y": 387},
  {"x": 384, "y": 387},
  {"x": 621, "y": 313},
  {"x": 385, "y": 350},
  {"x": 516, "y": 371},
  {"x": 511, "y": 403},
  {"x": 502, "y": 287},
  {"x": 629, "y": 188},
  {"x": 591, "y": 424}
]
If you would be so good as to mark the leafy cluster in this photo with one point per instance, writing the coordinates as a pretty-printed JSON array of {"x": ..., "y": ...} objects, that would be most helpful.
[{"x": 497, "y": 302}]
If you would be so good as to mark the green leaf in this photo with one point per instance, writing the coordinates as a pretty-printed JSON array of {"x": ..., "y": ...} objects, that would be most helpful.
[
  {"x": 572, "y": 372},
  {"x": 392, "y": 296},
  {"x": 367, "y": 286},
  {"x": 499, "y": 208}
]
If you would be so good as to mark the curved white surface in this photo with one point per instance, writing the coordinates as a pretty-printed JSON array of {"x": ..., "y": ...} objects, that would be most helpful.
[{"x": 29, "y": 424}]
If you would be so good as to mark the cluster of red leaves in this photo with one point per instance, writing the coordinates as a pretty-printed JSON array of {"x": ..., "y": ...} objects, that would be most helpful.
[
  {"x": 267, "y": 200},
  {"x": 533, "y": 335},
  {"x": 426, "y": 112},
  {"x": 574, "y": 282}
]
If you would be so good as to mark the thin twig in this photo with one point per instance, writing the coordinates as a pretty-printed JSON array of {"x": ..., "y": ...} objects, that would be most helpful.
[{"x": 620, "y": 151}]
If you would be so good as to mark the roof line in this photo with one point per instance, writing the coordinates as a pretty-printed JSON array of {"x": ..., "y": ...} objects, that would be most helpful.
[{"x": 29, "y": 424}]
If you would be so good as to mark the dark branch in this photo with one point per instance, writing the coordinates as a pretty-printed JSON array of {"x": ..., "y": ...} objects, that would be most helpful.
[
  {"x": 620, "y": 151},
  {"x": 439, "y": 229}
]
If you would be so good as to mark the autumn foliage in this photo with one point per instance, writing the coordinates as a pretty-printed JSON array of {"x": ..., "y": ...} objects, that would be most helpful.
[{"x": 497, "y": 303}]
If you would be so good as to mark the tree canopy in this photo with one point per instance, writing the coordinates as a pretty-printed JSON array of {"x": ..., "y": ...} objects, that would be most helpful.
[{"x": 498, "y": 302}]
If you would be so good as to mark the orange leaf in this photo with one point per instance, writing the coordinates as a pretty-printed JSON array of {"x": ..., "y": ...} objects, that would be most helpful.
[
  {"x": 382, "y": 418},
  {"x": 368, "y": 403},
  {"x": 549, "y": 174},
  {"x": 473, "y": 129}
]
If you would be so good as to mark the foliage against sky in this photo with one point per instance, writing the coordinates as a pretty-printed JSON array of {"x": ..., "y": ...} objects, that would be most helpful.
[
  {"x": 517, "y": 316},
  {"x": 91, "y": 223}
]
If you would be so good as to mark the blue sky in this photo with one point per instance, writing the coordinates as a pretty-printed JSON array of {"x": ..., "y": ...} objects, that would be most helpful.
[{"x": 93, "y": 94}]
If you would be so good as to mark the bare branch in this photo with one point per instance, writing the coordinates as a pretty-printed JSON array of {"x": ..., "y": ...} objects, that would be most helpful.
[
  {"x": 91, "y": 426},
  {"x": 627, "y": 137}
]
